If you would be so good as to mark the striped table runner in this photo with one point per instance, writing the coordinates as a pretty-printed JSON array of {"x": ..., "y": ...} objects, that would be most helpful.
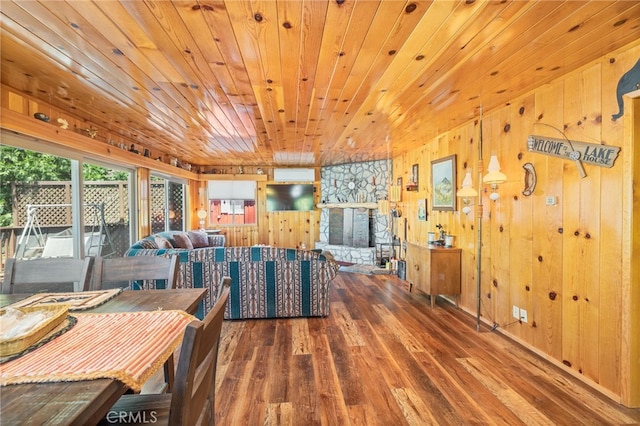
[{"x": 127, "y": 346}]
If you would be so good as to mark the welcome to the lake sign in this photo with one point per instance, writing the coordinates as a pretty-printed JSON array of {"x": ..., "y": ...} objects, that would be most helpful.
[{"x": 590, "y": 153}]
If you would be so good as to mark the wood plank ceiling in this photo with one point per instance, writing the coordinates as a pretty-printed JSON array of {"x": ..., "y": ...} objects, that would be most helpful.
[{"x": 284, "y": 82}]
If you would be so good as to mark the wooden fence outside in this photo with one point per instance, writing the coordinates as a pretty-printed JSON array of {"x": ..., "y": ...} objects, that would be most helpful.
[{"x": 53, "y": 198}]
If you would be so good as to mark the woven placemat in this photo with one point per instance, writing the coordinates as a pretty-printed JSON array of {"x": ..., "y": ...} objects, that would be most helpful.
[
  {"x": 77, "y": 301},
  {"x": 62, "y": 328},
  {"x": 125, "y": 346}
]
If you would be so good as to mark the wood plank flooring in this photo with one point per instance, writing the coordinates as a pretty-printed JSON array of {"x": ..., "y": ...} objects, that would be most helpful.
[{"x": 384, "y": 357}]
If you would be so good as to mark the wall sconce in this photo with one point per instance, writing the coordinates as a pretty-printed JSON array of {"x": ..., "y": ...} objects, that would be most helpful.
[
  {"x": 202, "y": 215},
  {"x": 494, "y": 177},
  {"x": 467, "y": 192}
]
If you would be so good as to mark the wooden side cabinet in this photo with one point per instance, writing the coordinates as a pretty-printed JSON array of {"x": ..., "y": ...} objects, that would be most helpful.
[{"x": 434, "y": 270}]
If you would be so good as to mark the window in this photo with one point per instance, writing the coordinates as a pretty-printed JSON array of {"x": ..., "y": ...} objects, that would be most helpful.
[
  {"x": 53, "y": 204},
  {"x": 231, "y": 203},
  {"x": 167, "y": 205},
  {"x": 107, "y": 209}
]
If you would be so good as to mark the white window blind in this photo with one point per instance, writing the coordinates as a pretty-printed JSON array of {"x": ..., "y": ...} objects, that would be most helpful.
[{"x": 231, "y": 189}]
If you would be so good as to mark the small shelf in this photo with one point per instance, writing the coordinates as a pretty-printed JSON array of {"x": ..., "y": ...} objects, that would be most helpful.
[
  {"x": 347, "y": 205},
  {"x": 221, "y": 176}
]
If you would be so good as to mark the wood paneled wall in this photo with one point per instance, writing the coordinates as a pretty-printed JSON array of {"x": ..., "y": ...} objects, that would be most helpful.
[
  {"x": 562, "y": 263},
  {"x": 278, "y": 229}
]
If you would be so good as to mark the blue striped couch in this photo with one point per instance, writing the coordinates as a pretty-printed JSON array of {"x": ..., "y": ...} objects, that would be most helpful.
[{"x": 266, "y": 282}]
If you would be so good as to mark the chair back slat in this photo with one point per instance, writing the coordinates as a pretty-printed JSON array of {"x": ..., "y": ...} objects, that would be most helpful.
[
  {"x": 121, "y": 271},
  {"x": 47, "y": 275},
  {"x": 193, "y": 395}
]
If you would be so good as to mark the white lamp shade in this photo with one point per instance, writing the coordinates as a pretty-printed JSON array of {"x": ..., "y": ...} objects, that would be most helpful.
[
  {"x": 494, "y": 176},
  {"x": 202, "y": 214},
  {"x": 467, "y": 190}
]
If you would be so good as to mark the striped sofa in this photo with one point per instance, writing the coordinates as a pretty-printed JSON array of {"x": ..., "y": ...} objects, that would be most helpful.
[{"x": 266, "y": 282}]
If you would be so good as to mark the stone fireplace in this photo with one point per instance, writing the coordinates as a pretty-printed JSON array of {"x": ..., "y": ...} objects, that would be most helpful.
[{"x": 350, "y": 225}]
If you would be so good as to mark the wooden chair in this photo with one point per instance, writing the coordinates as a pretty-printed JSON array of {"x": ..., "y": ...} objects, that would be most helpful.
[
  {"x": 192, "y": 400},
  {"x": 124, "y": 271},
  {"x": 133, "y": 271},
  {"x": 53, "y": 274}
]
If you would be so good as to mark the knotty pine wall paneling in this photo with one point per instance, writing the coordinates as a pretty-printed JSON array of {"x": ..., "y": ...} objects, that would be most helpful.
[
  {"x": 611, "y": 331},
  {"x": 548, "y": 228},
  {"x": 629, "y": 317},
  {"x": 520, "y": 232},
  {"x": 581, "y": 216},
  {"x": 143, "y": 200},
  {"x": 466, "y": 229},
  {"x": 563, "y": 263},
  {"x": 196, "y": 199}
]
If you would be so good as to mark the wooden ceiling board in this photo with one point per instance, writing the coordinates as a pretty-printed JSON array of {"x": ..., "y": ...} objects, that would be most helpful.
[
  {"x": 229, "y": 70},
  {"x": 435, "y": 84},
  {"x": 241, "y": 16},
  {"x": 40, "y": 43},
  {"x": 180, "y": 43},
  {"x": 56, "y": 86},
  {"x": 402, "y": 71},
  {"x": 265, "y": 32},
  {"x": 541, "y": 64},
  {"x": 312, "y": 24},
  {"x": 220, "y": 122},
  {"x": 308, "y": 82},
  {"x": 465, "y": 58},
  {"x": 368, "y": 65},
  {"x": 291, "y": 37},
  {"x": 519, "y": 83},
  {"x": 334, "y": 30},
  {"x": 352, "y": 82},
  {"x": 366, "y": 76},
  {"x": 149, "y": 108}
]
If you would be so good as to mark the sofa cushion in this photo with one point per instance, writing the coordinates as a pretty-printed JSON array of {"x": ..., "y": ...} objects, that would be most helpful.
[
  {"x": 199, "y": 239},
  {"x": 181, "y": 240},
  {"x": 145, "y": 243},
  {"x": 162, "y": 242}
]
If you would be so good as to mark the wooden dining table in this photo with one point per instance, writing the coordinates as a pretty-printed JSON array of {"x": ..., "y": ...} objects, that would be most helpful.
[{"x": 84, "y": 402}]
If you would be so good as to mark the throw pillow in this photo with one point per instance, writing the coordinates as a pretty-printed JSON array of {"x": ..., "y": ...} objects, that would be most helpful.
[
  {"x": 181, "y": 240},
  {"x": 146, "y": 243},
  {"x": 198, "y": 239},
  {"x": 162, "y": 242}
]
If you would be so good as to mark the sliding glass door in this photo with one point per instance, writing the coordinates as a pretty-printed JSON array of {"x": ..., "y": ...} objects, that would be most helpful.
[
  {"x": 55, "y": 203},
  {"x": 167, "y": 204}
]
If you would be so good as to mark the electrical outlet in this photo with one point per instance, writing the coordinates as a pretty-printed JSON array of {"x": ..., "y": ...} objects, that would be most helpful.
[
  {"x": 523, "y": 315},
  {"x": 516, "y": 312},
  {"x": 551, "y": 200}
]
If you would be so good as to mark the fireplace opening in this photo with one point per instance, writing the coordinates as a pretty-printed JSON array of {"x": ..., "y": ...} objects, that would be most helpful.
[{"x": 352, "y": 227}]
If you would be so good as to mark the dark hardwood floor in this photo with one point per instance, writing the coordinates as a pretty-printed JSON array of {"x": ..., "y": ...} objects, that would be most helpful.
[{"x": 384, "y": 357}]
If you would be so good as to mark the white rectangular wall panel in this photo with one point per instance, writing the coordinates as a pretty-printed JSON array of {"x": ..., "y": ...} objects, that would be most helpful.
[{"x": 294, "y": 175}]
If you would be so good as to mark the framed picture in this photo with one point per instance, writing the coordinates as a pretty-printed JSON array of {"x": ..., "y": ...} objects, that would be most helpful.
[
  {"x": 443, "y": 183},
  {"x": 399, "y": 181},
  {"x": 414, "y": 174},
  {"x": 422, "y": 209}
]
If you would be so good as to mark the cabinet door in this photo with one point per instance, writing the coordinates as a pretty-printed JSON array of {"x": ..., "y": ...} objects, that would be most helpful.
[
  {"x": 445, "y": 272},
  {"x": 417, "y": 270}
]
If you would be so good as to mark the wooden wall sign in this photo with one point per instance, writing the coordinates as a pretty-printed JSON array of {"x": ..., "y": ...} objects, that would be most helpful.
[{"x": 590, "y": 153}]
